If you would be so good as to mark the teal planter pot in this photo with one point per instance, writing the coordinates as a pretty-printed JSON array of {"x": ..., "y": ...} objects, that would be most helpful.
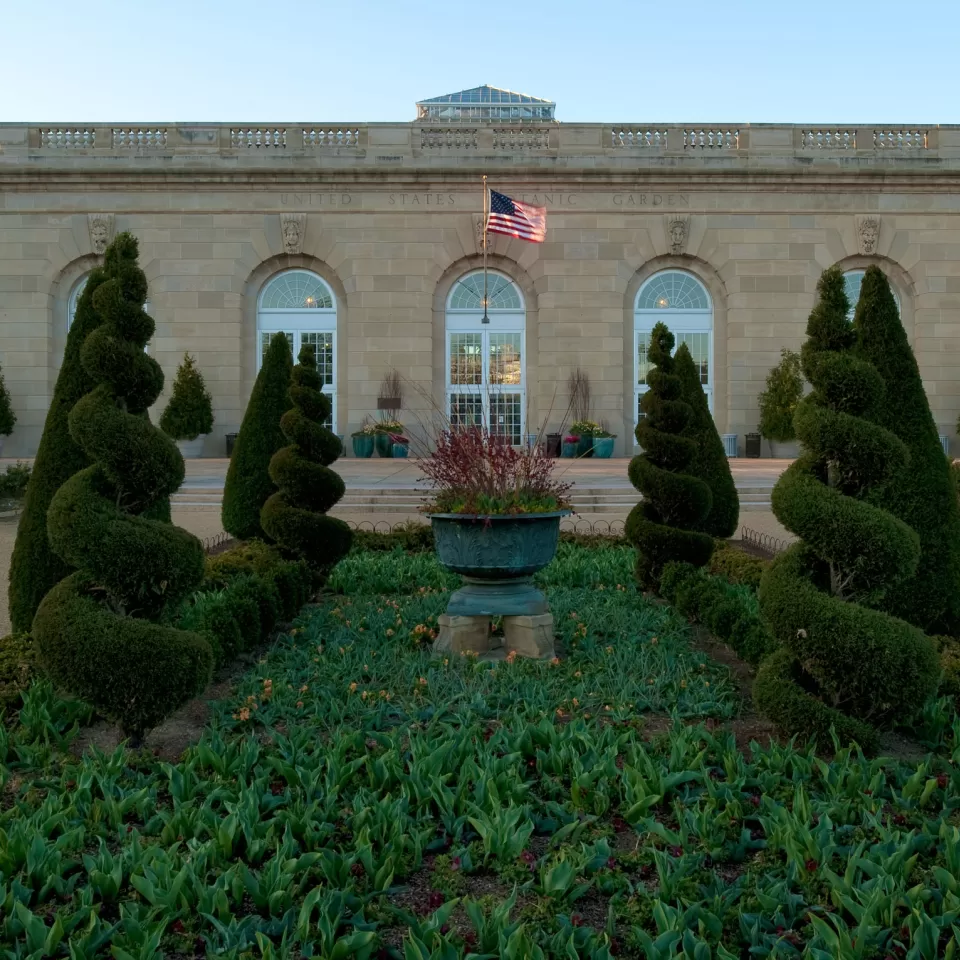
[
  {"x": 586, "y": 446},
  {"x": 400, "y": 451},
  {"x": 603, "y": 447},
  {"x": 569, "y": 450},
  {"x": 363, "y": 445},
  {"x": 497, "y": 557},
  {"x": 384, "y": 444}
]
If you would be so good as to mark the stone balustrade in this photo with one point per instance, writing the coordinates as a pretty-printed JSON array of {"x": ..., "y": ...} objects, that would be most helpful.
[{"x": 419, "y": 144}]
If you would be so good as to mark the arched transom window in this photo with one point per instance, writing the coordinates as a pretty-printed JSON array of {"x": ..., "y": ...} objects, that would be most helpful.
[
  {"x": 852, "y": 281},
  {"x": 74, "y": 299},
  {"x": 681, "y": 301},
  {"x": 485, "y": 361},
  {"x": 301, "y": 305}
]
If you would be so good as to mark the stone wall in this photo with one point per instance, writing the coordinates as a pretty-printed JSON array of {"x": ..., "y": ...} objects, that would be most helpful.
[{"x": 390, "y": 221}]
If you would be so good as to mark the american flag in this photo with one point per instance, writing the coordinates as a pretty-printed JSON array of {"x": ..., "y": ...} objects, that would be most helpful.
[{"x": 516, "y": 219}]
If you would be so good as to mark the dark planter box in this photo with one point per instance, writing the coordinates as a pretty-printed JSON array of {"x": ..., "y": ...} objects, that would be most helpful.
[
  {"x": 752, "y": 445},
  {"x": 231, "y": 440},
  {"x": 553, "y": 444}
]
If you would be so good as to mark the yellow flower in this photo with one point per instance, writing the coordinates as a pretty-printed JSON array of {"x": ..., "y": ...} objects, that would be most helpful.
[
  {"x": 654, "y": 641},
  {"x": 706, "y": 683},
  {"x": 304, "y": 688},
  {"x": 576, "y": 702},
  {"x": 353, "y": 688},
  {"x": 422, "y": 681},
  {"x": 446, "y": 662},
  {"x": 609, "y": 649},
  {"x": 683, "y": 684},
  {"x": 389, "y": 631},
  {"x": 578, "y": 674}
]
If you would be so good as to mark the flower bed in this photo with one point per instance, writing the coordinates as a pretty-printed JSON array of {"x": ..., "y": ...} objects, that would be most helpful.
[{"x": 356, "y": 794}]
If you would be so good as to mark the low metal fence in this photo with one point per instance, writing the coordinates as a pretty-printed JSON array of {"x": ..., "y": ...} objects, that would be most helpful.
[{"x": 763, "y": 543}]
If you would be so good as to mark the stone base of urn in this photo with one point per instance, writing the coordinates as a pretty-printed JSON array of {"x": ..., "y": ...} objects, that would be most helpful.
[{"x": 527, "y": 636}]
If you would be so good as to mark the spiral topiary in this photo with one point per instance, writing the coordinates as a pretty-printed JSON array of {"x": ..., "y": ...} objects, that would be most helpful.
[
  {"x": 97, "y": 630},
  {"x": 34, "y": 567},
  {"x": 709, "y": 461},
  {"x": 248, "y": 484},
  {"x": 664, "y": 525},
  {"x": 843, "y": 662},
  {"x": 295, "y": 516},
  {"x": 921, "y": 494}
]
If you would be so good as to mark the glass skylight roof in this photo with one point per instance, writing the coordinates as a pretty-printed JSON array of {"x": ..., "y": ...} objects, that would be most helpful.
[
  {"x": 486, "y": 94},
  {"x": 485, "y": 103}
]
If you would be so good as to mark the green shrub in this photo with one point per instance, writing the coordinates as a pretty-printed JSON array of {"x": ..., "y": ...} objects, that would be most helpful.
[
  {"x": 248, "y": 485},
  {"x": 97, "y": 631},
  {"x": 709, "y": 461},
  {"x": 13, "y": 483},
  {"x": 411, "y": 537},
  {"x": 18, "y": 667},
  {"x": 296, "y": 515},
  {"x": 251, "y": 557},
  {"x": 8, "y": 418},
  {"x": 736, "y": 566},
  {"x": 843, "y": 657},
  {"x": 948, "y": 650},
  {"x": 665, "y": 525},
  {"x": 190, "y": 410},
  {"x": 34, "y": 567},
  {"x": 778, "y": 401},
  {"x": 294, "y": 583},
  {"x": 921, "y": 494},
  {"x": 730, "y": 612}
]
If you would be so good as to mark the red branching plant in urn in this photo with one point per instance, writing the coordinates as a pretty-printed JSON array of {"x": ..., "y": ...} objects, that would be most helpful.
[{"x": 477, "y": 472}]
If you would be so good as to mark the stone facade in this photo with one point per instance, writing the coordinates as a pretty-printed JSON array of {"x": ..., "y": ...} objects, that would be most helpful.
[{"x": 387, "y": 215}]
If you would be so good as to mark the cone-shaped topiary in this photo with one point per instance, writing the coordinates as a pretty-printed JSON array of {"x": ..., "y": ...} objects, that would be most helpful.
[
  {"x": 665, "y": 524},
  {"x": 7, "y": 417},
  {"x": 921, "y": 494},
  {"x": 843, "y": 661},
  {"x": 710, "y": 461},
  {"x": 778, "y": 400},
  {"x": 190, "y": 410},
  {"x": 96, "y": 631},
  {"x": 295, "y": 516},
  {"x": 34, "y": 567},
  {"x": 248, "y": 483}
]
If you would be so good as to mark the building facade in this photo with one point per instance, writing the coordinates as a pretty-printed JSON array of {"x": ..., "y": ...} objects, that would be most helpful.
[{"x": 365, "y": 241}]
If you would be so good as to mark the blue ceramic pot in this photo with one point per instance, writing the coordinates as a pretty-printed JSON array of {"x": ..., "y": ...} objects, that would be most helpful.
[
  {"x": 400, "y": 451},
  {"x": 585, "y": 448},
  {"x": 569, "y": 449},
  {"x": 603, "y": 447},
  {"x": 384, "y": 444},
  {"x": 363, "y": 445}
]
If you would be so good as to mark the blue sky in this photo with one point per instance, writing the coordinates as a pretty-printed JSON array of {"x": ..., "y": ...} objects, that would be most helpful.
[{"x": 847, "y": 61}]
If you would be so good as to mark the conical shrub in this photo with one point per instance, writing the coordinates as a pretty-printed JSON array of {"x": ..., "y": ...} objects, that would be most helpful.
[
  {"x": 709, "y": 461},
  {"x": 843, "y": 662},
  {"x": 190, "y": 410},
  {"x": 921, "y": 493},
  {"x": 664, "y": 526},
  {"x": 34, "y": 567},
  {"x": 8, "y": 418},
  {"x": 248, "y": 484},
  {"x": 295, "y": 516},
  {"x": 97, "y": 631}
]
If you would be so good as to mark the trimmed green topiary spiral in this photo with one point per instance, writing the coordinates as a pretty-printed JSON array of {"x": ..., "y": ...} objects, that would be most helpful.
[
  {"x": 295, "y": 516},
  {"x": 664, "y": 524},
  {"x": 96, "y": 630},
  {"x": 843, "y": 661}
]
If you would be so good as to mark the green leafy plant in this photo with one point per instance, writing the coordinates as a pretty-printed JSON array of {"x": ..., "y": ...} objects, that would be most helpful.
[
  {"x": 778, "y": 400},
  {"x": 97, "y": 631},
  {"x": 665, "y": 525},
  {"x": 34, "y": 566},
  {"x": 18, "y": 667},
  {"x": 190, "y": 410},
  {"x": 8, "y": 418},
  {"x": 709, "y": 461},
  {"x": 843, "y": 662},
  {"x": 14, "y": 482},
  {"x": 580, "y": 428},
  {"x": 295, "y": 516},
  {"x": 921, "y": 494}
]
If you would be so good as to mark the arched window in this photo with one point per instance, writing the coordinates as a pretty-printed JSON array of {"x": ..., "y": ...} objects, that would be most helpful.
[
  {"x": 74, "y": 298},
  {"x": 486, "y": 380},
  {"x": 681, "y": 301},
  {"x": 852, "y": 281},
  {"x": 301, "y": 305}
]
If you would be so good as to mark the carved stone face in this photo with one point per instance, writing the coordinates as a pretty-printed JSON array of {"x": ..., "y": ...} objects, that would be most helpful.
[
  {"x": 678, "y": 233},
  {"x": 291, "y": 233},
  {"x": 99, "y": 234},
  {"x": 869, "y": 234}
]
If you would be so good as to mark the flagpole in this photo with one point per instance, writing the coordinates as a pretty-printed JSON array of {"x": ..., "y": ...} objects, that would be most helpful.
[{"x": 486, "y": 216}]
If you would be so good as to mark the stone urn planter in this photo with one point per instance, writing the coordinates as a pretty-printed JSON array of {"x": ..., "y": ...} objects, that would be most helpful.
[
  {"x": 497, "y": 557},
  {"x": 191, "y": 449}
]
